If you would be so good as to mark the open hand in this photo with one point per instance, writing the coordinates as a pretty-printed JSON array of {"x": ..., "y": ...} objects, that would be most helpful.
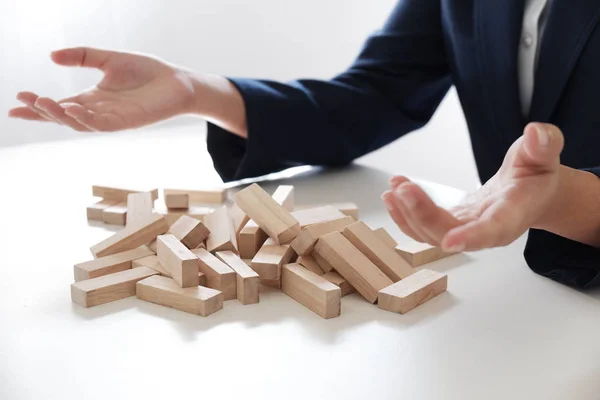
[
  {"x": 136, "y": 90},
  {"x": 512, "y": 201}
]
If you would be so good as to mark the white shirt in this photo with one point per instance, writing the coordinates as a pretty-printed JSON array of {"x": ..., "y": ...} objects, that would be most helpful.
[{"x": 534, "y": 19}]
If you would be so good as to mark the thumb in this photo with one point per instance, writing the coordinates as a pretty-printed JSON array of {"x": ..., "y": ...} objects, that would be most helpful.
[
  {"x": 82, "y": 57},
  {"x": 541, "y": 146}
]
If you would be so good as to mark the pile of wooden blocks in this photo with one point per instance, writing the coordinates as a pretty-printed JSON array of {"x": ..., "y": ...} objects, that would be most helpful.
[{"x": 193, "y": 260}]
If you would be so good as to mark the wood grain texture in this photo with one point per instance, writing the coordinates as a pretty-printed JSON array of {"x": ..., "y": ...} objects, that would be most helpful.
[
  {"x": 312, "y": 291},
  {"x": 190, "y": 231},
  {"x": 109, "y": 264},
  {"x": 269, "y": 215},
  {"x": 385, "y": 237},
  {"x": 119, "y": 194},
  {"x": 222, "y": 235},
  {"x": 218, "y": 274},
  {"x": 311, "y": 216},
  {"x": 321, "y": 262},
  {"x": 403, "y": 296},
  {"x": 166, "y": 292},
  {"x": 269, "y": 259},
  {"x": 340, "y": 282},
  {"x": 139, "y": 208},
  {"x": 353, "y": 265},
  {"x": 239, "y": 219},
  {"x": 310, "y": 264},
  {"x": 177, "y": 200},
  {"x": 251, "y": 239},
  {"x": 151, "y": 262},
  {"x": 115, "y": 214},
  {"x": 417, "y": 254},
  {"x": 178, "y": 260},
  {"x": 247, "y": 279},
  {"x": 108, "y": 288},
  {"x": 131, "y": 237},
  {"x": 304, "y": 243},
  {"x": 94, "y": 211},
  {"x": 211, "y": 196},
  {"x": 380, "y": 254}
]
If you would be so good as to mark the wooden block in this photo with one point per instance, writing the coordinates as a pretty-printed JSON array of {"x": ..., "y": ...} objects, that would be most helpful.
[
  {"x": 166, "y": 292},
  {"x": 310, "y": 264},
  {"x": 349, "y": 209},
  {"x": 194, "y": 210},
  {"x": 306, "y": 239},
  {"x": 321, "y": 262},
  {"x": 201, "y": 279},
  {"x": 403, "y": 296},
  {"x": 246, "y": 279},
  {"x": 269, "y": 259},
  {"x": 312, "y": 291},
  {"x": 94, "y": 212},
  {"x": 380, "y": 254},
  {"x": 311, "y": 216},
  {"x": 131, "y": 237},
  {"x": 178, "y": 260},
  {"x": 119, "y": 194},
  {"x": 139, "y": 208},
  {"x": 107, "y": 288},
  {"x": 177, "y": 200},
  {"x": 353, "y": 265},
  {"x": 115, "y": 214},
  {"x": 417, "y": 254},
  {"x": 238, "y": 218},
  {"x": 340, "y": 282},
  {"x": 269, "y": 215},
  {"x": 222, "y": 236},
  {"x": 190, "y": 231},
  {"x": 284, "y": 196},
  {"x": 273, "y": 283},
  {"x": 251, "y": 239},
  {"x": 385, "y": 237},
  {"x": 213, "y": 196},
  {"x": 109, "y": 264},
  {"x": 150, "y": 262},
  {"x": 218, "y": 274},
  {"x": 152, "y": 245}
]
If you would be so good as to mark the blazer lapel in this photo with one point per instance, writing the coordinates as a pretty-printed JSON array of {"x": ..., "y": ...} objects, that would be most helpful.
[{"x": 568, "y": 27}]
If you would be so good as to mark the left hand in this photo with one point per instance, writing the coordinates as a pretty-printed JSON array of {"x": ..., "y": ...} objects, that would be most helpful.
[{"x": 515, "y": 199}]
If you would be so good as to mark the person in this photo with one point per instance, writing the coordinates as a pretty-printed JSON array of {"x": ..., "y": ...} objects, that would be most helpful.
[{"x": 526, "y": 72}]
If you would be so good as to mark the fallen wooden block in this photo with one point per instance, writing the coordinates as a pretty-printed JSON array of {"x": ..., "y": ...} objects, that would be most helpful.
[
  {"x": 222, "y": 236},
  {"x": 190, "y": 231},
  {"x": 166, "y": 292},
  {"x": 269, "y": 215},
  {"x": 273, "y": 283},
  {"x": 284, "y": 196},
  {"x": 201, "y": 279},
  {"x": 380, "y": 254},
  {"x": 109, "y": 264},
  {"x": 139, "y": 208},
  {"x": 214, "y": 196},
  {"x": 152, "y": 245},
  {"x": 94, "y": 212},
  {"x": 269, "y": 259},
  {"x": 239, "y": 219},
  {"x": 353, "y": 265},
  {"x": 307, "y": 238},
  {"x": 251, "y": 239},
  {"x": 403, "y": 296},
  {"x": 131, "y": 237},
  {"x": 310, "y": 264},
  {"x": 177, "y": 200},
  {"x": 194, "y": 210},
  {"x": 311, "y": 216},
  {"x": 218, "y": 274},
  {"x": 178, "y": 260},
  {"x": 115, "y": 214},
  {"x": 385, "y": 237},
  {"x": 246, "y": 279},
  {"x": 417, "y": 254},
  {"x": 340, "y": 282},
  {"x": 108, "y": 288},
  {"x": 119, "y": 194},
  {"x": 347, "y": 208},
  {"x": 321, "y": 262},
  {"x": 151, "y": 262},
  {"x": 312, "y": 291}
]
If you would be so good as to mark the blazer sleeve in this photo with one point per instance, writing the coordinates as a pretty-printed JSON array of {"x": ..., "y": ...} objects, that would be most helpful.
[
  {"x": 564, "y": 260},
  {"x": 393, "y": 87}
]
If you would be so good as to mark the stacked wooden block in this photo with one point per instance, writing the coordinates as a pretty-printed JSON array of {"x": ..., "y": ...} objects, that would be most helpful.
[{"x": 194, "y": 263}]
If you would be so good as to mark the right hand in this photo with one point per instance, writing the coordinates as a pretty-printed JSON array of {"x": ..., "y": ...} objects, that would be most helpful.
[{"x": 136, "y": 90}]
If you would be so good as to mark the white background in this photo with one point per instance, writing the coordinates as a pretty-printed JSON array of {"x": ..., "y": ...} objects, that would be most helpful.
[{"x": 261, "y": 38}]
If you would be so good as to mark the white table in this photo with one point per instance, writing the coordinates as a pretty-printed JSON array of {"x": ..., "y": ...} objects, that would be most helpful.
[{"x": 500, "y": 332}]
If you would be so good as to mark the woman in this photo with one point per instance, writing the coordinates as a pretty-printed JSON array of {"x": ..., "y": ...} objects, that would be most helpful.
[{"x": 512, "y": 61}]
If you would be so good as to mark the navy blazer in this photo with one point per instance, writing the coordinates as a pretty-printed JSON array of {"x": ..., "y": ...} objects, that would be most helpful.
[{"x": 398, "y": 81}]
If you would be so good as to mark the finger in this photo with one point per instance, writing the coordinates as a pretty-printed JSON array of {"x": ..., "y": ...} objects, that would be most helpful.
[
  {"x": 99, "y": 122},
  {"x": 26, "y": 113},
  {"x": 396, "y": 181},
  {"x": 390, "y": 203},
  {"x": 79, "y": 114},
  {"x": 541, "y": 147},
  {"x": 475, "y": 235},
  {"x": 82, "y": 57},
  {"x": 406, "y": 213},
  {"x": 54, "y": 110},
  {"x": 423, "y": 214},
  {"x": 29, "y": 99}
]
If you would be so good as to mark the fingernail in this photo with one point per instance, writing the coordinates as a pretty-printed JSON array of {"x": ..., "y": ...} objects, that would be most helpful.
[
  {"x": 543, "y": 135},
  {"x": 457, "y": 248},
  {"x": 407, "y": 197}
]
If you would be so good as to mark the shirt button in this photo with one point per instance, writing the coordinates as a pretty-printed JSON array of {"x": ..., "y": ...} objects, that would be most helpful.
[{"x": 527, "y": 40}]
